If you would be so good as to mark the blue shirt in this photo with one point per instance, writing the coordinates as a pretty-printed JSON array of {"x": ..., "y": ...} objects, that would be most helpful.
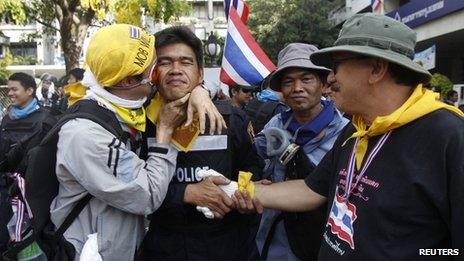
[{"x": 315, "y": 149}]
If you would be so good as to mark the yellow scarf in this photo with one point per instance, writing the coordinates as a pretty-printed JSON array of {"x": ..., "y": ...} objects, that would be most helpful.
[
  {"x": 74, "y": 92},
  {"x": 420, "y": 103},
  {"x": 184, "y": 136},
  {"x": 134, "y": 118}
]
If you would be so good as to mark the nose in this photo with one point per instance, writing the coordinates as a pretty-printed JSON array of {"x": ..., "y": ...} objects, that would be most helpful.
[
  {"x": 297, "y": 86},
  {"x": 176, "y": 67}
]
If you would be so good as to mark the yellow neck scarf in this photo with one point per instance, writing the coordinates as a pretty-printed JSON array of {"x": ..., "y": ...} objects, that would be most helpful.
[
  {"x": 184, "y": 136},
  {"x": 420, "y": 103},
  {"x": 134, "y": 118}
]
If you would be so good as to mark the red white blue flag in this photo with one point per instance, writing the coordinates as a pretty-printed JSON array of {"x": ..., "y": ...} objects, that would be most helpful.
[
  {"x": 244, "y": 62},
  {"x": 240, "y": 6},
  {"x": 376, "y": 5},
  {"x": 341, "y": 218}
]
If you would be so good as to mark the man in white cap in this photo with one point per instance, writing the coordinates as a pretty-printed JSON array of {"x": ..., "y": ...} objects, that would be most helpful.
[
  {"x": 311, "y": 125},
  {"x": 393, "y": 192},
  {"x": 93, "y": 161}
]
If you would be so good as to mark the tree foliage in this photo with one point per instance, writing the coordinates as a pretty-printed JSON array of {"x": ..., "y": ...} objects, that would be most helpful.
[
  {"x": 4, "y": 73},
  {"x": 72, "y": 18},
  {"x": 280, "y": 22},
  {"x": 441, "y": 81}
]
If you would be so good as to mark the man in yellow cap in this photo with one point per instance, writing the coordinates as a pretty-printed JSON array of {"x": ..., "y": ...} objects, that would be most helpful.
[
  {"x": 393, "y": 179},
  {"x": 91, "y": 160}
]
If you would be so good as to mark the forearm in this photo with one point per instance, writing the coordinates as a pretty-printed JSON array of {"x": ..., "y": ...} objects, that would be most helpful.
[
  {"x": 292, "y": 195},
  {"x": 163, "y": 134}
]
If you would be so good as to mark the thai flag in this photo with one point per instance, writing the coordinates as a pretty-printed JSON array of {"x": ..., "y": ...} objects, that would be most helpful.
[
  {"x": 240, "y": 6},
  {"x": 244, "y": 62},
  {"x": 376, "y": 5},
  {"x": 341, "y": 218}
]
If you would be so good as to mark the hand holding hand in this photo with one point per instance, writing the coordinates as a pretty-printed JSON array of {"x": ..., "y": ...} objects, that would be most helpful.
[
  {"x": 246, "y": 205},
  {"x": 207, "y": 194}
]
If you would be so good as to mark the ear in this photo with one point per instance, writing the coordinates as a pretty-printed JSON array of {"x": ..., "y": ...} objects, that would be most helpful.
[
  {"x": 30, "y": 91},
  {"x": 200, "y": 77},
  {"x": 379, "y": 70}
]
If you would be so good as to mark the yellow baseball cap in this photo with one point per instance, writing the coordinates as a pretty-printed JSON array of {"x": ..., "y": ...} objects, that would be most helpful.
[{"x": 118, "y": 51}]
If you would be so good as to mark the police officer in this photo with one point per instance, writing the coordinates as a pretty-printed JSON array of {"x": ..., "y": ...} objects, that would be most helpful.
[{"x": 177, "y": 230}]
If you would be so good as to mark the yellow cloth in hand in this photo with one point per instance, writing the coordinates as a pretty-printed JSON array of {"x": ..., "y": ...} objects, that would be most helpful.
[
  {"x": 420, "y": 103},
  {"x": 245, "y": 183}
]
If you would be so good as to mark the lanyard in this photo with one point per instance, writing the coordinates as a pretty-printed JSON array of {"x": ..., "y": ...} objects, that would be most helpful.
[{"x": 352, "y": 163}]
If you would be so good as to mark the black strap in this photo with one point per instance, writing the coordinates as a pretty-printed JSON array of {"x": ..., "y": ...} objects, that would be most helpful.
[
  {"x": 270, "y": 236},
  {"x": 90, "y": 110},
  {"x": 72, "y": 215}
]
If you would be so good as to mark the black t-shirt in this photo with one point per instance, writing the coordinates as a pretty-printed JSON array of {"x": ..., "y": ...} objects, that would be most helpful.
[{"x": 410, "y": 198}]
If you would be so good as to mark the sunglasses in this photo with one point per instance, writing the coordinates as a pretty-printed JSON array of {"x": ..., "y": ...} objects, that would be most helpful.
[
  {"x": 337, "y": 62},
  {"x": 246, "y": 90}
]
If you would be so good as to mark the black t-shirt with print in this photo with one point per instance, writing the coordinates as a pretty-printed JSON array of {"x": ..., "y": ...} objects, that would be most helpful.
[{"x": 410, "y": 199}]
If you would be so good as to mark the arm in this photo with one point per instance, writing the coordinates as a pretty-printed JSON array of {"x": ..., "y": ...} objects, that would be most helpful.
[
  {"x": 110, "y": 172},
  {"x": 292, "y": 195},
  {"x": 106, "y": 169}
]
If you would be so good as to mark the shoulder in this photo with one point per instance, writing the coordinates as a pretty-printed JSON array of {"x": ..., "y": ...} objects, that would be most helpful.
[
  {"x": 440, "y": 123},
  {"x": 84, "y": 130},
  {"x": 239, "y": 114},
  {"x": 338, "y": 122},
  {"x": 275, "y": 121}
]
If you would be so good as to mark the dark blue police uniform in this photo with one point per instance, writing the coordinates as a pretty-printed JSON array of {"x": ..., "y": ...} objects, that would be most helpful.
[{"x": 177, "y": 230}]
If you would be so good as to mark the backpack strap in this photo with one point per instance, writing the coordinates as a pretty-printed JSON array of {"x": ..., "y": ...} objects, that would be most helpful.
[
  {"x": 85, "y": 109},
  {"x": 88, "y": 109},
  {"x": 77, "y": 209}
]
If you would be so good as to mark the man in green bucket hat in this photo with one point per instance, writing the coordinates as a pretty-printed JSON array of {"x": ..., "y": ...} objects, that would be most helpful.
[{"x": 394, "y": 178}]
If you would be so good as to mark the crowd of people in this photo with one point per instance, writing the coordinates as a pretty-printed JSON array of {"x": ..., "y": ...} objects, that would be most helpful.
[{"x": 351, "y": 157}]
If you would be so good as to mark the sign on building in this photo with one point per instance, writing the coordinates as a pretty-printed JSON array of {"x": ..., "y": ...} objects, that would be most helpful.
[
  {"x": 417, "y": 12},
  {"x": 426, "y": 57}
]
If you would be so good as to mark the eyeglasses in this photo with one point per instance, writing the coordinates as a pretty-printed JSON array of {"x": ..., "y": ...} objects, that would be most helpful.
[
  {"x": 337, "y": 62},
  {"x": 246, "y": 90},
  {"x": 150, "y": 80}
]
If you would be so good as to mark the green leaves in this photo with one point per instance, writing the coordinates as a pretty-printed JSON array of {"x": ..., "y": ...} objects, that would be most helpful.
[
  {"x": 280, "y": 22},
  {"x": 13, "y": 11},
  {"x": 166, "y": 10},
  {"x": 440, "y": 80},
  {"x": 75, "y": 16}
]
